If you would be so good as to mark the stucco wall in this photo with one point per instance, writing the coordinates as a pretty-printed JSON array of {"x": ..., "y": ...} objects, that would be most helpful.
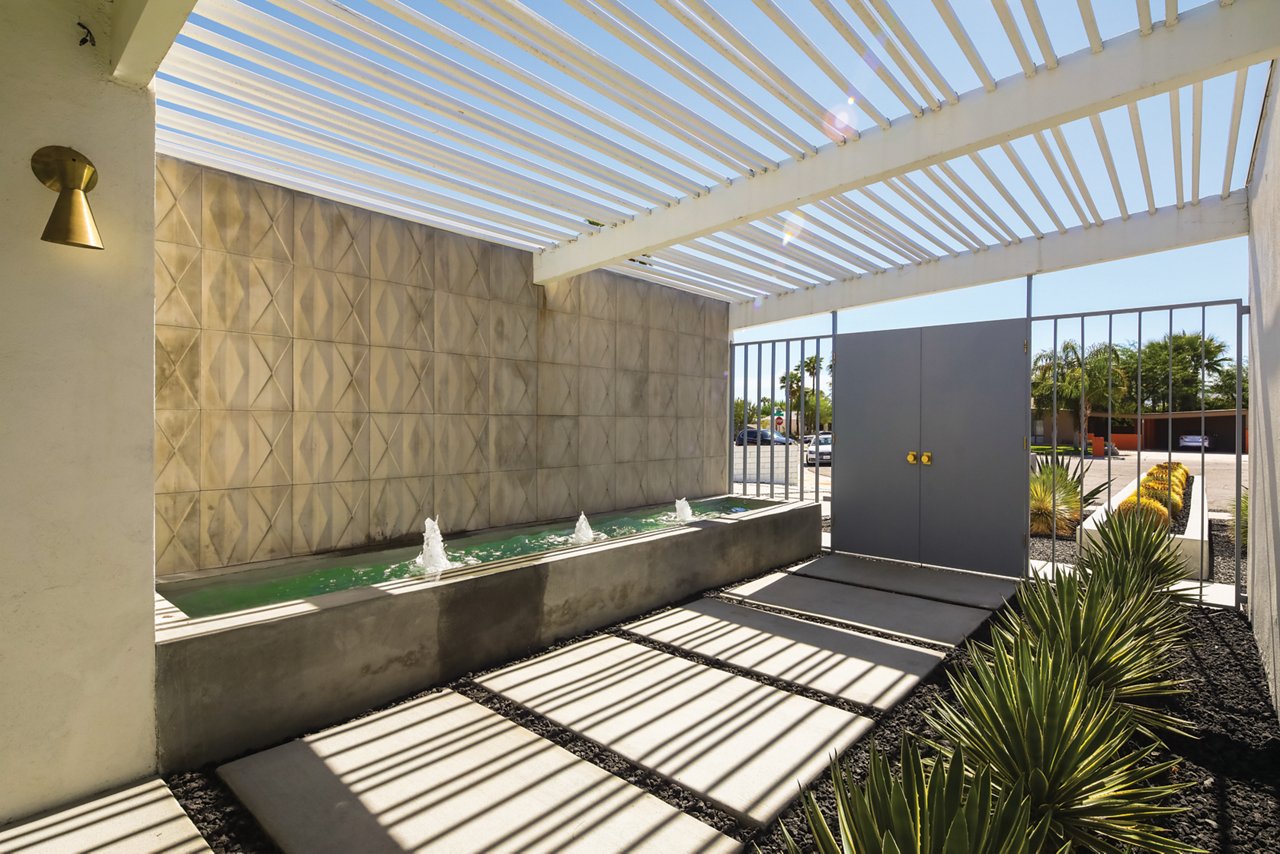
[
  {"x": 76, "y": 601},
  {"x": 327, "y": 377},
  {"x": 1264, "y": 393}
]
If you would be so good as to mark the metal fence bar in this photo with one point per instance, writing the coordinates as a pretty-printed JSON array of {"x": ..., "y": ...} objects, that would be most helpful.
[
  {"x": 746, "y": 364},
  {"x": 1240, "y": 597},
  {"x": 786, "y": 391},
  {"x": 1026, "y": 447},
  {"x": 1138, "y": 397},
  {"x": 1084, "y": 421},
  {"x": 800, "y": 377},
  {"x": 1110, "y": 403},
  {"x": 1053, "y": 461},
  {"x": 817, "y": 416},
  {"x": 733, "y": 391},
  {"x": 1205, "y": 538},
  {"x": 1166, "y": 307},
  {"x": 773, "y": 399}
]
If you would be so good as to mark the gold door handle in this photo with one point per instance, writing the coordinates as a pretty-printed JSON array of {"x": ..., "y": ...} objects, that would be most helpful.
[
  {"x": 926, "y": 458},
  {"x": 912, "y": 458}
]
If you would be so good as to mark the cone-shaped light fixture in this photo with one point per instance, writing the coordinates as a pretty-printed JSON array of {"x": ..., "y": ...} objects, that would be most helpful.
[{"x": 72, "y": 175}]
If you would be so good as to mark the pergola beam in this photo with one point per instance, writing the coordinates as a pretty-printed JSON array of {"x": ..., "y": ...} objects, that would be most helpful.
[
  {"x": 1169, "y": 228},
  {"x": 142, "y": 31},
  {"x": 1207, "y": 42}
]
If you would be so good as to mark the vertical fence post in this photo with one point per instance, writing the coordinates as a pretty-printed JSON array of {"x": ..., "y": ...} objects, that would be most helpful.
[
  {"x": 759, "y": 397},
  {"x": 800, "y": 377},
  {"x": 733, "y": 382},
  {"x": 1053, "y": 460},
  {"x": 1107, "y": 449},
  {"x": 1026, "y": 447},
  {"x": 773, "y": 404},
  {"x": 1206, "y": 538},
  {"x": 1239, "y": 449},
  {"x": 786, "y": 391},
  {"x": 1138, "y": 397},
  {"x": 817, "y": 416}
]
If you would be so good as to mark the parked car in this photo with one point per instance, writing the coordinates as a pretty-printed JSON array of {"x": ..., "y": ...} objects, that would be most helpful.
[
  {"x": 761, "y": 436},
  {"x": 818, "y": 449},
  {"x": 1195, "y": 442}
]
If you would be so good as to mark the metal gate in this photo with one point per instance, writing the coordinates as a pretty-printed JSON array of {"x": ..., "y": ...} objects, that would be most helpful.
[{"x": 932, "y": 467}]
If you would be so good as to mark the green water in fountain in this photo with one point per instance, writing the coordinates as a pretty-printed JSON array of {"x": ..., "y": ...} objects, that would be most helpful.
[{"x": 317, "y": 576}]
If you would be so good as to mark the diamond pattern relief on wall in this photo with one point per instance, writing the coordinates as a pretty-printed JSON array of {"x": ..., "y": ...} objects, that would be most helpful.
[
  {"x": 513, "y": 497},
  {"x": 514, "y": 389},
  {"x": 662, "y": 395},
  {"x": 631, "y": 347},
  {"x": 401, "y": 380},
  {"x": 662, "y": 308},
  {"x": 330, "y": 446},
  {"x": 330, "y": 516},
  {"x": 462, "y": 324},
  {"x": 331, "y": 236},
  {"x": 177, "y": 367},
  {"x": 462, "y": 502},
  {"x": 558, "y": 493},
  {"x": 664, "y": 353},
  {"x": 557, "y": 441},
  {"x": 461, "y": 265},
  {"x": 462, "y": 384},
  {"x": 513, "y": 331},
  {"x": 630, "y": 442},
  {"x": 659, "y": 481},
  {"x": 178, "y": 188},
  {"x": 400, "y": 251},
  {"x": 246, "y": 372},
  {"x": 660, "y": 439},
  {"x": 462, "y": 444},
  {"x": 246, "y": 294},
  {"x": 401, "y": 315},
  {"x": 595, "y": 391},
  {"x": 558, "y": 338},
  {"x": 715, "y": 320},
  {"x": 595, "y": 488},
  {"x": 631, "y": 393},
  {"x": 330, "y": 377},
  {"x": 511, "y": 276},
  {"x": 690, "y": 393},
  {"x": 628, "y": 484},
  {"x": 513, "y": 442},
  {"x": 597, "y": 295},
  {"x": 177, "y": 284},
  {"x": 689, "y": 355},
  {"x": 177, "y": 532},
  {"x": 688, "y": 439},
  {"x": 689, "y": 308},
  {"x": 243, "y": 449},
  {"x": 595, "y": 440},
  {"x": 244, "y": 525},
  {"x": 557, "y": 390},
  {"x": 331, "y": 306},
  {"x": 398, "y": 506},
  {"x": 401, "y": 445},
  {"x": 177, "y": 450},
  {"x": 246, "y": 217},
  {"x": 597, "y": 342}
]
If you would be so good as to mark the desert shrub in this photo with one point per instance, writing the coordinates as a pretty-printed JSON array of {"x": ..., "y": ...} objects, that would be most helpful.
[
  {"x": 1133, "y": 553},
  {"x": 1055, "y": 505},
  {"x": 927, "y": 810},
  {"x": 1030, "y": 714},
  {"x": 1136, "y": 505},
  {"x": 1127, "y": 641},
  {"x": 1242, "y": 516}
]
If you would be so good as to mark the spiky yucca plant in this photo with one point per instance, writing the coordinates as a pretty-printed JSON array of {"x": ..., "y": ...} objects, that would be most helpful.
[
  {"x": 1126, "y": 642},
  {"x": 1135, "y": 554},
  {"x": 934, "y": 811},
  {"x": 1031, "y": 715},
  {"x": 1055, "y": 505},
  {"x": 1242, "y": 514}
]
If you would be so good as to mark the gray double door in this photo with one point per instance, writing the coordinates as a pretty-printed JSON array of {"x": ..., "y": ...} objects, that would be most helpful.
[{"x": 930, "y": 464}]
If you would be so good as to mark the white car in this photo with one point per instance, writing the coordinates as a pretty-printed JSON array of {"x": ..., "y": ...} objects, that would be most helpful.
[
  {"x": 1196, "y": 442},
  {"x": 818, "y": 450}
]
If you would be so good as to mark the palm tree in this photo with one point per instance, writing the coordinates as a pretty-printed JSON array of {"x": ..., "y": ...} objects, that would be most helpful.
[{"x": 1081, "y": 379}]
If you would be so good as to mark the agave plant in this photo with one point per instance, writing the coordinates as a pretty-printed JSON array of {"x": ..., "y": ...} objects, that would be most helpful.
[
  {"x": 1127, "y": 643},
  {"x": 1031, "y": 715},
  {"x": 1133, "y": 553},
  {"x": 923, "y": 811}
]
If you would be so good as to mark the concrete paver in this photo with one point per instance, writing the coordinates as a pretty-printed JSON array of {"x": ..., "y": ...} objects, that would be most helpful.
[
  {"x": 443, "y": 773},
  {"x": 140, "y": 819},
  {"x": 739, "y": 743},
  {"x": 860, "y": 607},
  {"x": 960, "y": 588},
  {"x": 842, "y": 663}
]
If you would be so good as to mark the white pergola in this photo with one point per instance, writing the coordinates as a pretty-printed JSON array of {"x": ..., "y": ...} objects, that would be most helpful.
[{"x": 673, "y": 148}]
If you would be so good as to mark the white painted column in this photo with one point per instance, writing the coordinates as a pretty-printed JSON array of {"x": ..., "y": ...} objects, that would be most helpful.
[
  {"x": 1263, "y": 565},
  {"x": 76, "y": 374}
]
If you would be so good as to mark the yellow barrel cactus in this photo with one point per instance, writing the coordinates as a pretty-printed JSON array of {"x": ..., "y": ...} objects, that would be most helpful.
[{"x": 1145, "y": 506}]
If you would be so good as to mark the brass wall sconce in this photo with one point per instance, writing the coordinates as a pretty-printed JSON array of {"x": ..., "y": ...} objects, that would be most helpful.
[{"x": 72, "y": 175}]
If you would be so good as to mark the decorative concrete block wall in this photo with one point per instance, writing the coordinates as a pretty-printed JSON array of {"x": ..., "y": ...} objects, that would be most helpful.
[{"x": 327, "y": 377}]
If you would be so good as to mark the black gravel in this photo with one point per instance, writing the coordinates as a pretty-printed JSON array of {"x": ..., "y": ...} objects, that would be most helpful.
[
  {"x": 226, "y": 825},
  {"x": 1234, "y": 764},
  {"x": 1222, "y": 551}
]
